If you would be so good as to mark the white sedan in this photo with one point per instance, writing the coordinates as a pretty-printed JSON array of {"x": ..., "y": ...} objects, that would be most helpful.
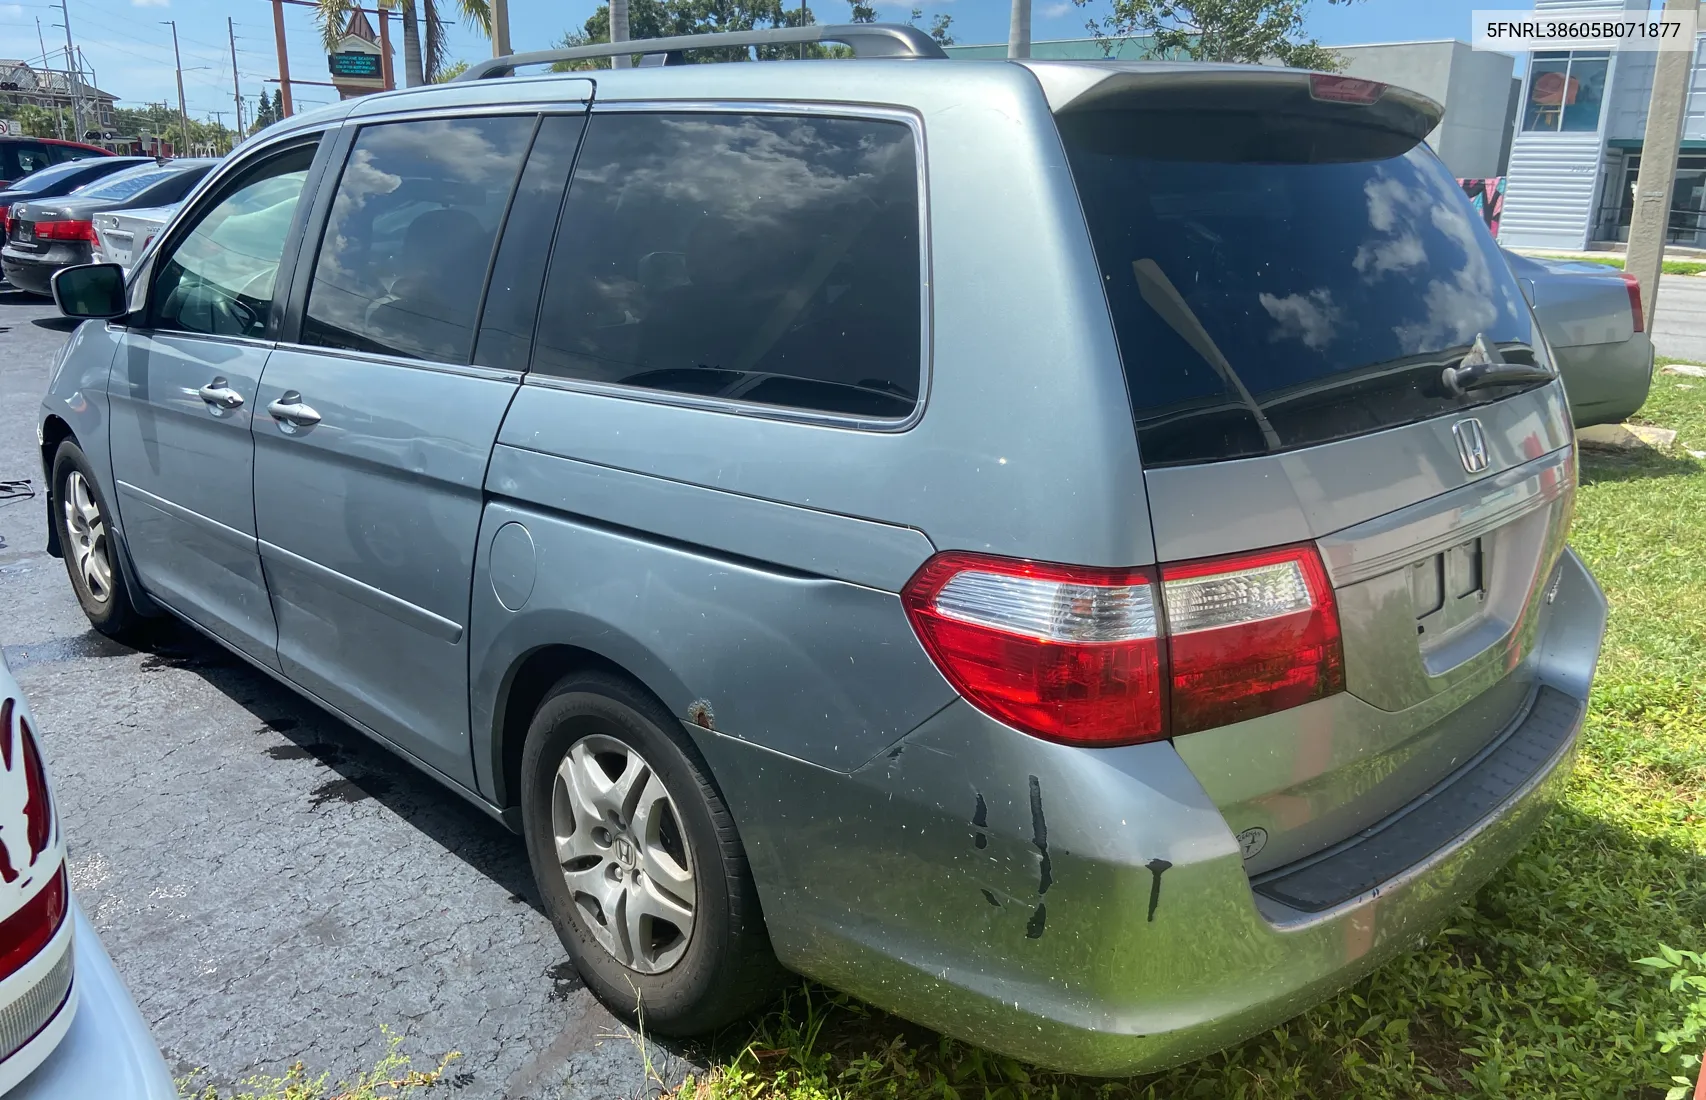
[
  {"x": 68, "y": 1027},
  {"x": 123, "y": 235}
]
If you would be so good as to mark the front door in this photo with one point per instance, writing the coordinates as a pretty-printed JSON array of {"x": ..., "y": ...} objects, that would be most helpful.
[
  {"x": 183, "y": 394},
  {"x": 372, "y": 432}
]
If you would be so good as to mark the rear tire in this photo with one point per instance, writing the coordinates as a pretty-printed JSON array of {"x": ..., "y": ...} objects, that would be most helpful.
[
  {"x": 83, "y": 523},
  {"x": 622, "y": 822}
]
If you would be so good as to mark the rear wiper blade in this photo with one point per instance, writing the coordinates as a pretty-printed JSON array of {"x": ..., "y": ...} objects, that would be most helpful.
[{"x": 1486, "y": 366}]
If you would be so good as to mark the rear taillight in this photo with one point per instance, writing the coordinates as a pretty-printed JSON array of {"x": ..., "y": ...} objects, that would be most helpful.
[
  {"x": 65, "y": 231},
  {"x": 1344, "y": 89},
  {"x": 26, "y": 932},
  {"x": 1082, "y": 656},
  {"x": 5, "y": 222},
  {"x": 1250, "y": 635},
  {"x": 1065, "y": 653},
  {"x": 1633, "y": 285}
]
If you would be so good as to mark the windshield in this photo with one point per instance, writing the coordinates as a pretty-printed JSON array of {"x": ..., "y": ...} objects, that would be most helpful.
[
  {"x": 1274, "y": 287},
  {"x": 122, "y": 185}
]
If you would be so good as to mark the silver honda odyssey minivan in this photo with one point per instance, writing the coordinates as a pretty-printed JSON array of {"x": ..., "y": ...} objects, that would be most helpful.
[{"x": 1071, "y": 553}]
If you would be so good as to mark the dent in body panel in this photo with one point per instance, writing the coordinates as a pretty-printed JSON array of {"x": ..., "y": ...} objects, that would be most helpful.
[
  {"x": 817, "y": 668},
  {"x": 1155, "y": 950}
]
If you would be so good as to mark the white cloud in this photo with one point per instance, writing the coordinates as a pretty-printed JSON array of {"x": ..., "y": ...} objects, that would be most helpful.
[
  {"x": 1311, "y": 319},
  {"x": 12, "y": 11},
  {"x": 151, "y": 3},
  {"x": 1055, "y": 11}
]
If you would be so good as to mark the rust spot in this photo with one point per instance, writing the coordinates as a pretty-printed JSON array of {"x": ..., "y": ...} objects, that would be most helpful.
[{"x": 699, "y": 713}]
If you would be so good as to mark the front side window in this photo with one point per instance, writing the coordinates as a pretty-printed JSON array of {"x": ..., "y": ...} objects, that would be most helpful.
[
  {"x": 764, "y": 258},
  {"x": 220, "y": 278},
  {"x": 32, "y": 158},
  {"x": 1565, "y": 91},
  {"x": 410, "y": 236}
]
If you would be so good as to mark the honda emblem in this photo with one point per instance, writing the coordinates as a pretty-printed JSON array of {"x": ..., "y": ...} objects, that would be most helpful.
[{"x": 1471, "y": 444}]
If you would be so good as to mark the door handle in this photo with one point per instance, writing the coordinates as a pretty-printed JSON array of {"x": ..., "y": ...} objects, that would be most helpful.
[
  {"x": 219, "y": 394},
  {"x": 291, "y": 413}
]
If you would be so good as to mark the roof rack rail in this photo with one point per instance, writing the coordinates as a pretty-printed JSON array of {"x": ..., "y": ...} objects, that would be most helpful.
[{"x": 866, "y": 40}]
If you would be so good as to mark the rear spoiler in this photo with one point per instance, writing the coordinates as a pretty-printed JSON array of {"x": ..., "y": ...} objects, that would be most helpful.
[{"x": 1165, "y": 86}]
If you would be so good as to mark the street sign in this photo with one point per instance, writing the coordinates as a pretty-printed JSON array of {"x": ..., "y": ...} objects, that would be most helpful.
[
  {"x": 9, "y": 128},
  {"x": 360, "y": 66}
]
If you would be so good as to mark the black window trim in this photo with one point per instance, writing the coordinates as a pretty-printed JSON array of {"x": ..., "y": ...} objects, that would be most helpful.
[
  {"x": 211, "y": 190},
  {"x": 314, "y": 231},
  {"x": 753, "y": 409}
]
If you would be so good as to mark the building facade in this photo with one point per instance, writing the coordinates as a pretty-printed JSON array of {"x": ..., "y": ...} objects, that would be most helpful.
[
  {"x": 23, "y": 85},
  {"x": 1577, "y": 147}
]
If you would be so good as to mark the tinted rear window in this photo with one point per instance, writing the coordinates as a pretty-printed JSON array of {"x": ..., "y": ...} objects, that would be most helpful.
[
  {"x": 47, "y": 177},
  {"x": 1276, "y": 285}
]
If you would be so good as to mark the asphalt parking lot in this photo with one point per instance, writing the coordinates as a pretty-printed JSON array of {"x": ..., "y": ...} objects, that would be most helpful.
[{"x": 271, "y": 885}]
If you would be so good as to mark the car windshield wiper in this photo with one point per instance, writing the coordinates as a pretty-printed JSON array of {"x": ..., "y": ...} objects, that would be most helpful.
[{"x": 1486, "y": 366}]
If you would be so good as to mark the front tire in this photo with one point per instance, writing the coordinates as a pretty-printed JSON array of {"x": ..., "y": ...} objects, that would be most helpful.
[
  {"x": 83, "y": 523},
  {"x": 638, "y": 861}
]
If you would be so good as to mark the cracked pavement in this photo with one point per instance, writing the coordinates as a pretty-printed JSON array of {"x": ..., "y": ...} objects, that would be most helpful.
[{"x": 272, "y": 884}]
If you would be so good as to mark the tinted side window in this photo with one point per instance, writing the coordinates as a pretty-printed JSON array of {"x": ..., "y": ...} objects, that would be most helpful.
[
  {"x": 512, "y": 300},
  {"x": 410, "y": 235},
  {"x": 31, "y": 157},
  {"x": 763, "y": 258},
  {"x": 219, "y": 279}
]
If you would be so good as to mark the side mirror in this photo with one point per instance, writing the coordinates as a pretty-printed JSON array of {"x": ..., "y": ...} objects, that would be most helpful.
[{"x": 90, "y": 290}]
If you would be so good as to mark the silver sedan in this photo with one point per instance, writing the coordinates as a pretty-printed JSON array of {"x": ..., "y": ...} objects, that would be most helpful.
[{"x": 1591, "y": 315}]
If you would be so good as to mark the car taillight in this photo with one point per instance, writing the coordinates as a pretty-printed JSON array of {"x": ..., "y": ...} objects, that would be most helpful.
[
  {"x": 1082, "y": 656},
  {"x": 65, "y": 231},
  {"x": 1065, "y": 653},
  {"x": 5, "y": 222},
  {"x": 1249, "y": 635},
  {"x": 1633, "y": 285},
  {"x": 1344, "y": 89},
  {"x": 26, "y": 932}
]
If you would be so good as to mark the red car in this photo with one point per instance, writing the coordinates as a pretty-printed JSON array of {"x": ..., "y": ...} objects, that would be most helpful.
[{"x": 19, "y": 156}]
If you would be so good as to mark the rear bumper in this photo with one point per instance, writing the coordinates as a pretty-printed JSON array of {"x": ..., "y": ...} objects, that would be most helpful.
[
  {"x": 106, "y": 1051},
  {"x": 1090, "y": 910},
  {"x": 1606, "y": 383},
  {"x": 34, "y": 272}
]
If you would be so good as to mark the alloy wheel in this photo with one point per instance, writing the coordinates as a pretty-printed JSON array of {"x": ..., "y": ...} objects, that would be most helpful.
[
  {"x": 90, "y": 555},
  {"x": 623, "y": 853}
]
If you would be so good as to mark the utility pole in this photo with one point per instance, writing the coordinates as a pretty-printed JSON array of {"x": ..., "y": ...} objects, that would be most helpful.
[
  {"x": 183, "y": 113},
  {"x": 58, "y": 111},
  {"x": 1019, "y": 30},
  {"x": 236, "y": 85},
  {"x": 619, "y": 30},
  {"x": 1666, "y": 112},
  {"x": 71, "y": 64},
  {"x": 500, "y": 28},
  {"x": 283, "y": 57}
]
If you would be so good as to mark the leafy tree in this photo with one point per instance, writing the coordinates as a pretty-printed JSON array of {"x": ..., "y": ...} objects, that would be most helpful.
[
  {"x": 1251, "y": 31},
  {"x": 450, "y": 72},
  {"x": 277, "y": 104},
  {"x": 264, "y": 114},
  {"x": 35, "y": 121},
  {"x": 665, "y": 18},
  {"x": 862, "y": 12},
  {"x": 939, "y": 25}
]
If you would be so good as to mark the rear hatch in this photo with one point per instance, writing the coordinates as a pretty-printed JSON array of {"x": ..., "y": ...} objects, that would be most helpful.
[{"x": 1325, "y": 349}]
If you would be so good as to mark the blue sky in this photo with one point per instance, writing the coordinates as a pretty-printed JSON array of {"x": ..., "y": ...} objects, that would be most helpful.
[{"x": 131, "y": 52}]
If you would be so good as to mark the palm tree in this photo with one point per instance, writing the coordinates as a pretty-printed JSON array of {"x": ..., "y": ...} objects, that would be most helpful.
[{"x": 422, "y": 59}]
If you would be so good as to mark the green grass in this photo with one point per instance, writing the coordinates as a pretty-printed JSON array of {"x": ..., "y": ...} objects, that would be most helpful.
[
  {"x": 391, "y": 1078},
  {"x": 1535, "y": 989},
  {"x": 1670, "y": 267}
]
